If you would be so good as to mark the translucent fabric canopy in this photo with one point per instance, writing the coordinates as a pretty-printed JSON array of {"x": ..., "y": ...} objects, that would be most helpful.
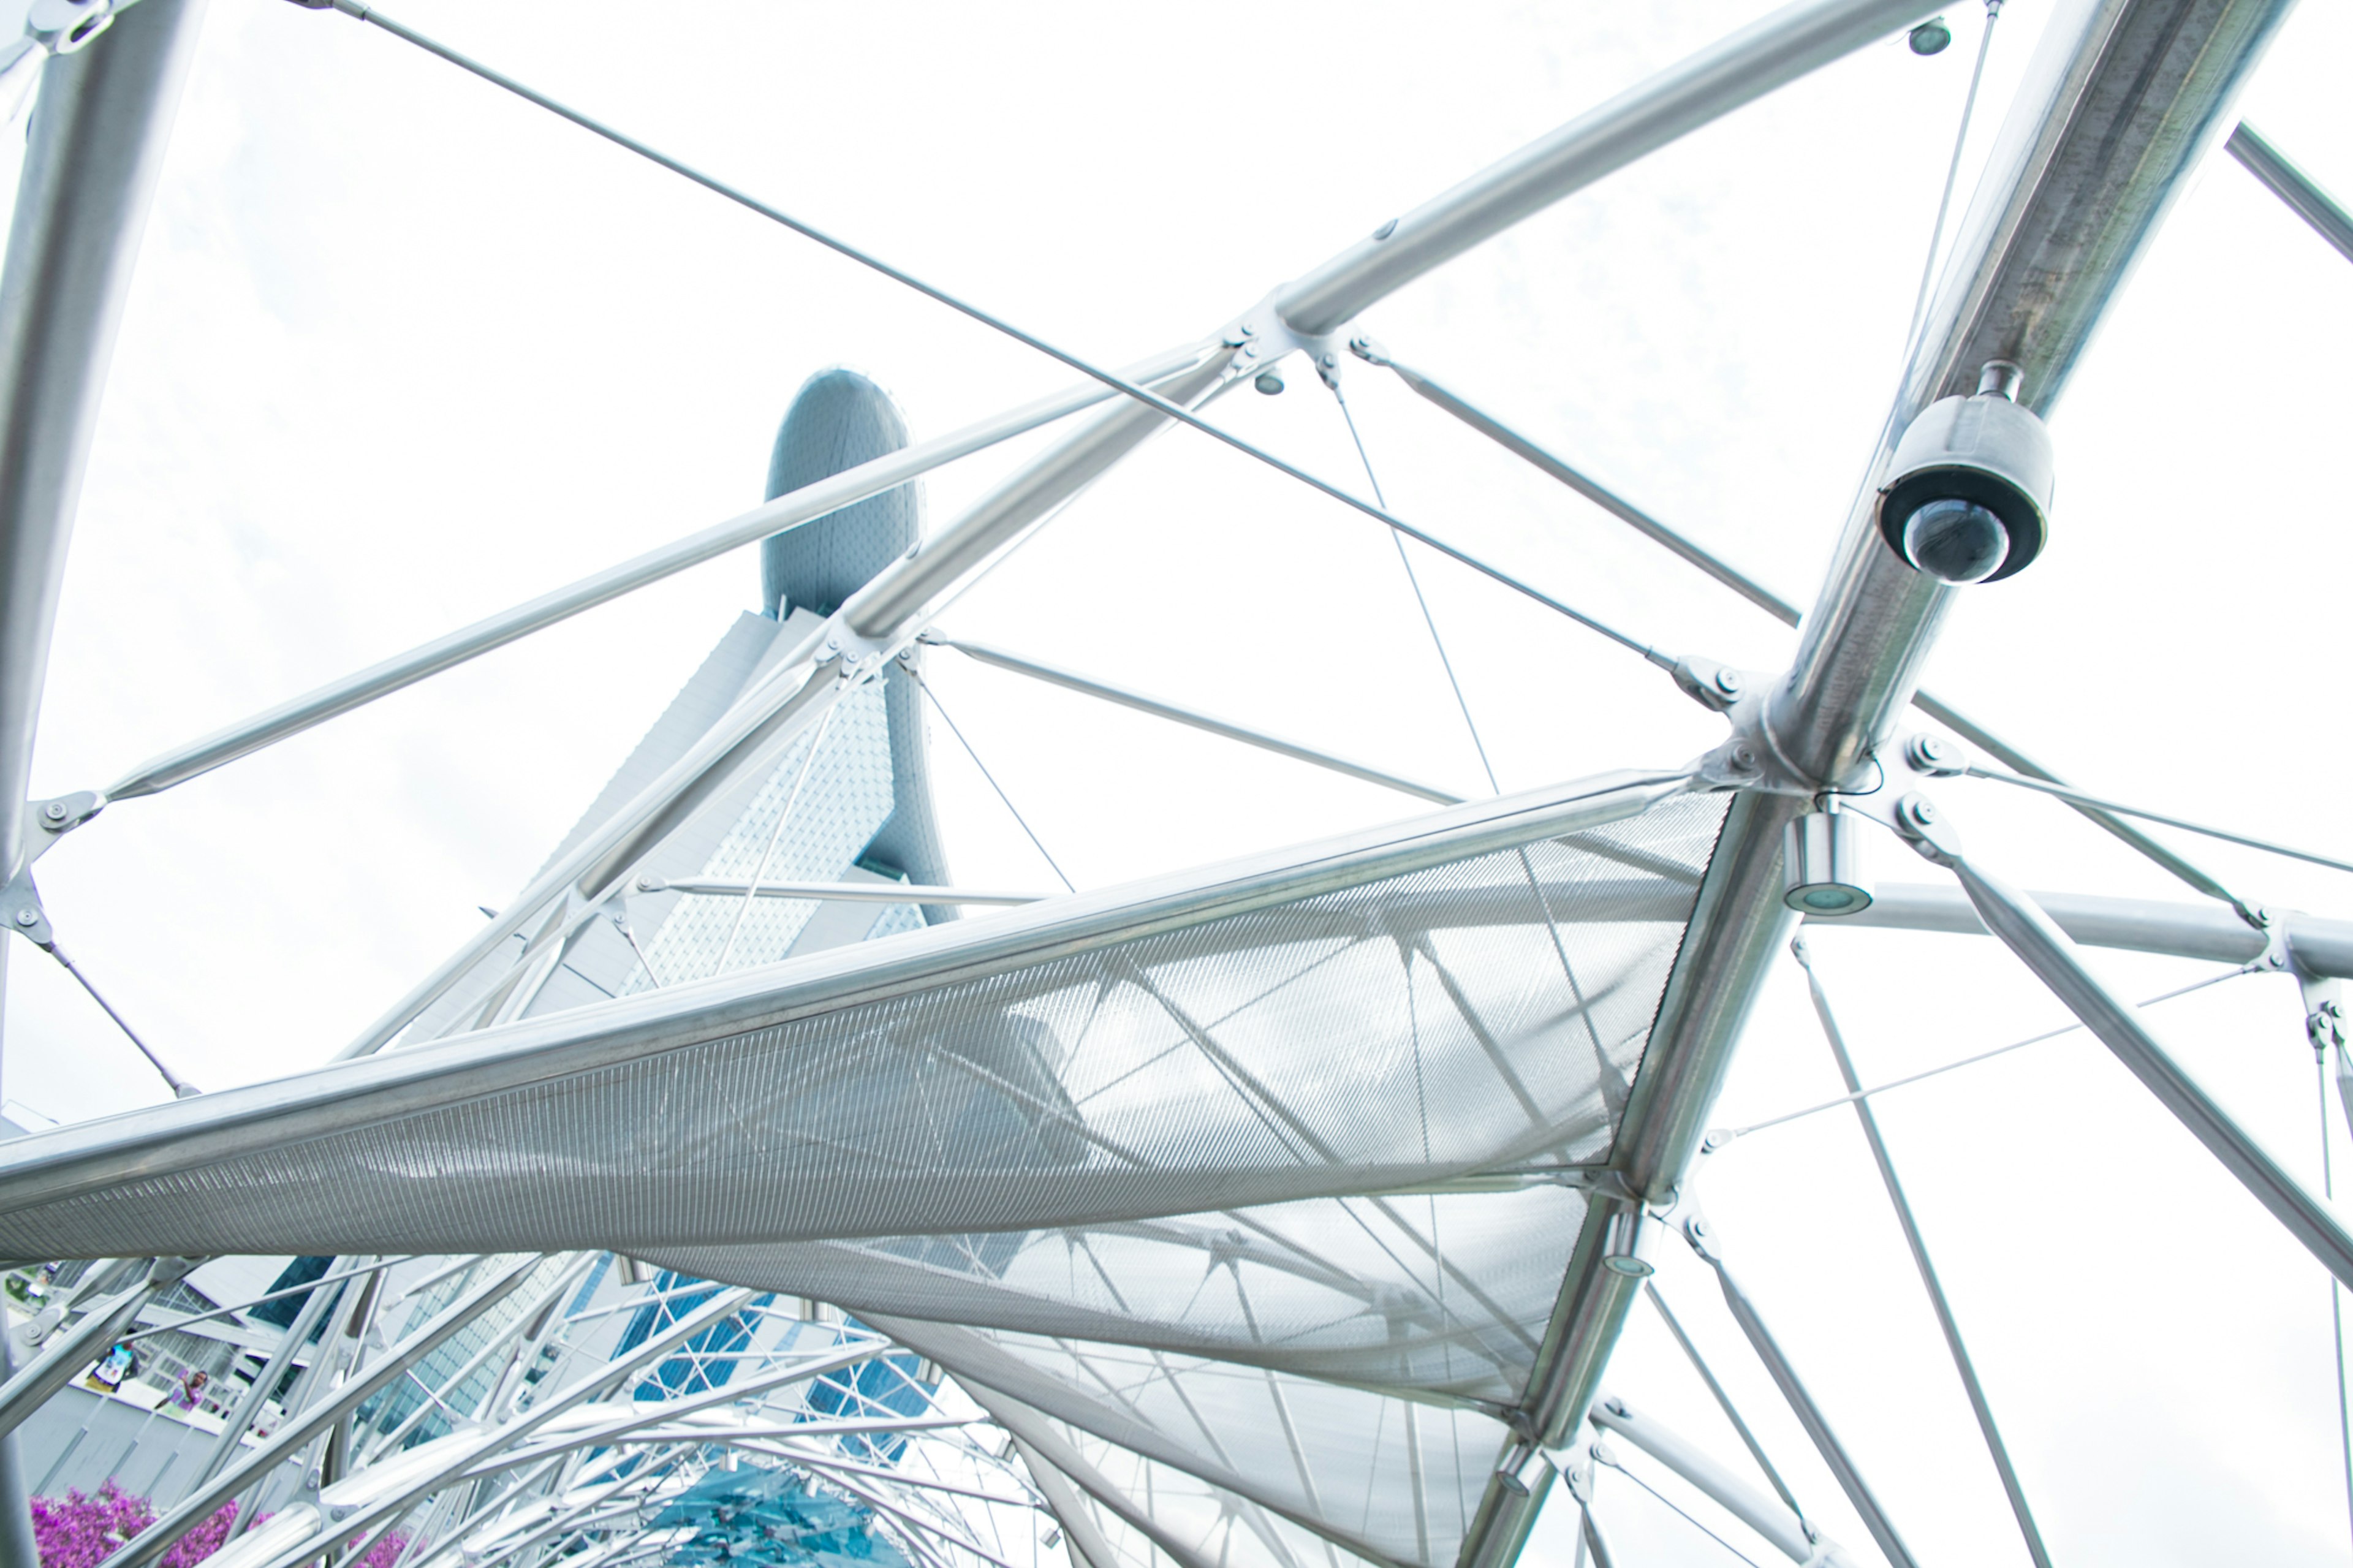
[
  {"x": 1386, "y": 1478},
  {"x": 1468, "y": 992},
  {"x": 1445, "y": 1293},
  {"x": 1241, "y": 1198}
]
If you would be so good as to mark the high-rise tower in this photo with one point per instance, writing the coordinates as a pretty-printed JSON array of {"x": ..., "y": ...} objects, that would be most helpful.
[{"x": 849, "y": 802}]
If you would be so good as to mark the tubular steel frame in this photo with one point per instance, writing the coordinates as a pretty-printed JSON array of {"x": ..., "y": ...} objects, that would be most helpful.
[{"x": 2123, "y": 100}]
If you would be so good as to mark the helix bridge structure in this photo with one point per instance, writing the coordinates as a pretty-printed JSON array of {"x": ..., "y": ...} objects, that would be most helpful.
[{"x": 747, "y": 1185}]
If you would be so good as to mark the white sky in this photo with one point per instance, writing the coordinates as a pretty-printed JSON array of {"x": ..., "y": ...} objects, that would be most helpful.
[{"x": 402, "y": 351}]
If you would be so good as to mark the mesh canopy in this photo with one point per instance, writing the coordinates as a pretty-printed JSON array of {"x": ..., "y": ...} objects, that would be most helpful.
[
  {"x": 1394, "y": 1029},
  {"x": 1446, "y": 1293},
  {"x": 1388, "y": 1478}
]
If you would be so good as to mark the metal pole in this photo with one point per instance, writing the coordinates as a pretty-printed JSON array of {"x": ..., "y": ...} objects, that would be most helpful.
[
  {"x": 1722, "y": 1398},
  {"x": 834, "y": 892},
  {"x": 2321, "y": 947},
  {"x": 97, "y": 144},
  {"x": 66, "y": 1354},
  {"x": 2045, "y": 950},
  {"x": 38, "y": 1172},
  {"x": 1764, "y": 598},
  {"x": 787, "y": 510},
  {"x": 299, "y": 1430},
  {"x": 2290, "y": 185},
  {"x": 2010, "y": 1485},
  {"x": 2120, "y": 100},
  {"x": 1127, "y": 697},
  {"x": 1801, "y": 1403},
  {"x": 19, "y": 1548},
  {"x": 1777, "y": 1524},
  {"x": 726, "y": 1305},
  {"x": 1768, "y": 54},
  {"x": 753, "y": 733},
  {"x": 273, "y": 1372}
]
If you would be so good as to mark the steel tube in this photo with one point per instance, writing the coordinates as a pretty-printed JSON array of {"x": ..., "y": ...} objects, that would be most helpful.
[
  {"x": 2321, "y": 947},
  {"x": 1760, "y": 1513},
  {"x": 66, "y": 1354},
  {"x": 1553, "y": 465},
  {"x": 1127, "y": 697},
  {"x": 763, "y": 722},
  {"x": 19, "y": 1546},
  {"x": 273, "y": 1372},
  {"x": 2293, "y": 186},
  {"x": 725, "y": 1305},
  {"x": 1768, "y": 53},
  {"x": 2119, "y": 104},
  {"x": 300, "y": 1429},
  {"x": 787, "y": 510},
  {"x": 883, "y": 607},
  {"x": 147, "y": 1143},
  {"x": 1962, "y": 1363},
  {"x": 1087, "y": 1542},
  {"x": 1514, "y": 1496},
  {"x": 2045, "y": 950},
  {"x": 97, "y": 146},
  {"x": 1802, "y": 1405},
  {"x": 2115, "y": 110},
  {"x": 1781, "y": 609},
  {"x": 757, "y": 730},
  {"x": 834, "y": 892}
]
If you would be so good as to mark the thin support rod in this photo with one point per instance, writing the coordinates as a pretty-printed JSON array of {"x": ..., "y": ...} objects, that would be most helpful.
[
  {"x": 1722, "y": 1398},
  {"x": 179, "y": 1087},
  {"x": 834, "y": 892},
  {"x": 814, "y": 743},
  {"x": 1717, "y": 1140},
  {"x": 66, "y": 1354},
  {"x": 2290, "y": 185},
  {"x": 298, "y": 1431},
  {"x": 2077, "y": 797},
  {"x": 320, "y": 1283},
  {"x": 1117, "y": 382},
  {"x": 1558, "y": 468},
  {"x": 1801, "y": 1403},
  {"x": 1020, "y": 821},
  {"x": 2336, "y": 1301},
  {"x": 1675, "y": 1509},
  {"x": 1127, "y": 697},
  {"x": 1420, "y": 599},
  {"x": 2045, "y": 950},
  {"x": 1952, "y": 177},
  {"x": 1784, "y": 1527},
  {"x": 1979, "y": 1404},
  {"x": 787, "y": 510}
]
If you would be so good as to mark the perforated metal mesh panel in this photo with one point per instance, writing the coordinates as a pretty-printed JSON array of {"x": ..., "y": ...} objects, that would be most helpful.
[{"x": 1483, "y": 1013}]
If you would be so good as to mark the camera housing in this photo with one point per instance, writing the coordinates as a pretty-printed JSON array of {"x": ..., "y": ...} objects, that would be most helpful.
[{"x": 1968, "y": 470}]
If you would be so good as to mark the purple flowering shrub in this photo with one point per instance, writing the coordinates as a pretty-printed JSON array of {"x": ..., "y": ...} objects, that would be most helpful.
[{"x": 78, "y": 1531}]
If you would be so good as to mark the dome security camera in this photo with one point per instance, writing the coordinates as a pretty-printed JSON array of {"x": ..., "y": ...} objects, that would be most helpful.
[{"x": 1969, "y": 492}]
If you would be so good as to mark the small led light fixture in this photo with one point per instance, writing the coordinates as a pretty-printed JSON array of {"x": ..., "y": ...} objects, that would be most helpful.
[
  {"x": 1971, "y": 492},
  {"x": 1931, "y": 37},
  {"x": 1822, "y": 865},
  {"x": 1622, "y": 1249}
]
